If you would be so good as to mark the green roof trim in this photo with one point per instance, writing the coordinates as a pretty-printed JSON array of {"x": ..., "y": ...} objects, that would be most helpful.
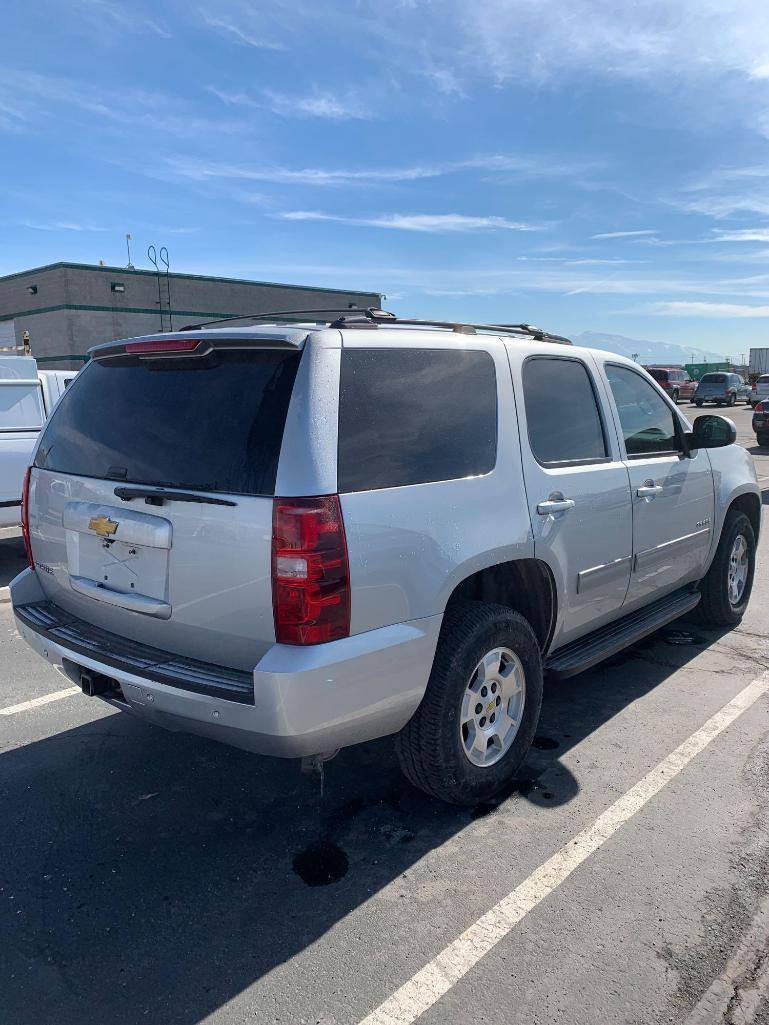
[
  {"x": 65, "y": 265},
  {"x": 203, "y": 314}
]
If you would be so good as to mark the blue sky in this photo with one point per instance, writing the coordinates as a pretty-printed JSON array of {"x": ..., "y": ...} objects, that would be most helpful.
[{"x": 565, "y": 162}]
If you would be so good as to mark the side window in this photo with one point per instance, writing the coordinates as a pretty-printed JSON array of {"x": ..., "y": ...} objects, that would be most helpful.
[
  {"x": 562, "y": 411},
  {"x": 648, "y": 423},
  {"x": 410, "y": 416}
]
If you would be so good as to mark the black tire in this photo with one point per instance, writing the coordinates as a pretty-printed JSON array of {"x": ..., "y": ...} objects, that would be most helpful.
[
  {"x": 715, "y": 608},
  {"x": 763, "y": 440},
  {"x": 698, "y": 403},
  {"x": 674, "y": 396},
  {"x": 732, "y": 400},
  {"x": 429, "y": 747}
]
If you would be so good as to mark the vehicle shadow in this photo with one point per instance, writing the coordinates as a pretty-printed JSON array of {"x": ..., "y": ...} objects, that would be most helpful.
[
  {"x": 151, "y": 876},
  {"x": 12, "y": 558}
]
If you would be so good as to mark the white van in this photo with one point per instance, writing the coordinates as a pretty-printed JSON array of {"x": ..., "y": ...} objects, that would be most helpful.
[{"x": 27, "y": 396}]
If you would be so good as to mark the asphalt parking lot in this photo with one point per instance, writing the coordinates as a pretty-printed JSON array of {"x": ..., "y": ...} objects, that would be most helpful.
[{"x": 150, "y": 876}]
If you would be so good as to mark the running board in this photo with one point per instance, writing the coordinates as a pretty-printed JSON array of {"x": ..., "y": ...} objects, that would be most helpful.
[{"x": 589, "y": 651}]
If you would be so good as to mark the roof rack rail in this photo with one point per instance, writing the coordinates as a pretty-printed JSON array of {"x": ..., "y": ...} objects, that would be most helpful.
[
  {"x": 373, "y": 317},
  {"x": 322, "y": 316}
]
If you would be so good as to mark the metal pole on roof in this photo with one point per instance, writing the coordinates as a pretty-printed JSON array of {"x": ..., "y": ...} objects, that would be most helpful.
[
  {"x": 153, "y": 258},
  {"x": 165, "y": 261}
]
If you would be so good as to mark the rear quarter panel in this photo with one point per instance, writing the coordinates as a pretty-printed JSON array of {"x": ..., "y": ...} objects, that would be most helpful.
[{"x": 734, "y": 474}]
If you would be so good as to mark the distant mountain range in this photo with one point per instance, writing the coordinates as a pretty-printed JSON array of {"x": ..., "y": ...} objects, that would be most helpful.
[{"x": 646, "y": 351}]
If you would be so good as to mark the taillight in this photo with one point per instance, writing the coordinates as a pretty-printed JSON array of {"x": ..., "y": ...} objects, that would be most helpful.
[
  {"x": 753, "y": 387},
  {"x": 759, "y": 407},
  {"x": 310, "y": 571},
  {"x": 25, "y": 517}
]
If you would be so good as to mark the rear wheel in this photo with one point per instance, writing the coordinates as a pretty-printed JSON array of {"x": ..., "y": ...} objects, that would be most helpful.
[
  {"x": 727, "y": 585},
  {"x": 674, "y": 396},
  {"x": 732, "y": 400},
  {"x": 478, "y": 716},
  {"x": 763, "y": 440},
  {"x": 698, "y": 403}
]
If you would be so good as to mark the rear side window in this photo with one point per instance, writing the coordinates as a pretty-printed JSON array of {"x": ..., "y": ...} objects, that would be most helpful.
[
  {"x": 562, "y": 411},
  {"x": 21, "y": 407},
  {"x": 658, "y": 375},
  {"x": 213, "y": 425},
  {"x": 764, "y": 379},
  {"x": 410, "y": 416}
]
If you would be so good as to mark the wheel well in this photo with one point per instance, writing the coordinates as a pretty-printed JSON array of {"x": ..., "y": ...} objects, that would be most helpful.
[
  {"x": 526, "y": 586},
  {"x": 751, "y": 506}
]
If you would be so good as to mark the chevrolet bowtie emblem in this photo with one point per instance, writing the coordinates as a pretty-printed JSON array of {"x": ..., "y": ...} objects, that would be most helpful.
[{"x": 103, "y": 525}]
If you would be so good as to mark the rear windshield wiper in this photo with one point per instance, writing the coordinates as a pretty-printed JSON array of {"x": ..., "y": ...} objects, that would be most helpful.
[{"x": 156, "y": 496}]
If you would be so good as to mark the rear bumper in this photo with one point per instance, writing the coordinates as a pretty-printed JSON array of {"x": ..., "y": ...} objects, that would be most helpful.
[{"x": 304, "y": 700}]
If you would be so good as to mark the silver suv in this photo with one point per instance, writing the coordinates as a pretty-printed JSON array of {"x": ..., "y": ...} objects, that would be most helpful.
[{"x": 294, "y": 538}]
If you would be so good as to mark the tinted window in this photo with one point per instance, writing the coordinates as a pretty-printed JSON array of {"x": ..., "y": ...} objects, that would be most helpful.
[
  {"x": 713, "y": 378},
  {"x": 408, "y": 416},
  {"x": 561, "y": 411},
  {"x": 658, "y": 375},
  {"x": 215, "y": 425},
  {"x": 764, "y": 379},
  {"x": 648, "y": 423},
  {"x": 21, "y": 406}
]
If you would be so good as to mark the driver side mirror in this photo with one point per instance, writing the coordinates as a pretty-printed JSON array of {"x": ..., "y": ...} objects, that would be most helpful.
[{"x": 711, "y": 431}]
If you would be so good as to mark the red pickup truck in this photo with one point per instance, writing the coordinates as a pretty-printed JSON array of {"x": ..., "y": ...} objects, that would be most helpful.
[{"x": 676, "y": 383}]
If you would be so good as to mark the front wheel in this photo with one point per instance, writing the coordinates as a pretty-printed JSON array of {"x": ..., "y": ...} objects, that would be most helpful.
[
  {"x": 727, "y": 585},
  {"x": 698, "y": 403},
  {"x": 763, "y": 440},
  {"x": 732, "y": 400},
  {"x": 477, "y": 719},
  {"x": 674, "y": 396}
]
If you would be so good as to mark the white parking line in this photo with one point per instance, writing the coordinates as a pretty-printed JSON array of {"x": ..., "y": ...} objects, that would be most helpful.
[
  {"x": 438, "y": 976},
  {"x": 57, "y": 695}
]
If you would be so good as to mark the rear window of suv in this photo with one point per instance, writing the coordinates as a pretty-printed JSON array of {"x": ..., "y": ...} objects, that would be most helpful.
[
  {"x": 713, "y": 379},
  {"x": 215, "y": 425},
  {"x": 411, "y": 416}
]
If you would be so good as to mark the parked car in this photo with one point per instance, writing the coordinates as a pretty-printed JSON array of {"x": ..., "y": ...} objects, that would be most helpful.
[
  {"x": 294, "y": 538},
  {"x": 27, "y": 395},
  {"x": 674, "y": 382},
  {"x": 721, "y": 388},
  {"x": 759, "y": 390},
  {"x": 744, "y": 393},
  {"x": 761, "y": 422}
]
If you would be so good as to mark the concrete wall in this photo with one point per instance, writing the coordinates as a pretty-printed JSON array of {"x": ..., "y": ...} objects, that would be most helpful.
[{"x": 75, "y": 307}]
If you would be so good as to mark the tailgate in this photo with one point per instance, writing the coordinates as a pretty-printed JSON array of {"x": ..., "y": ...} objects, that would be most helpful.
[{"x": 151, "y": 500}]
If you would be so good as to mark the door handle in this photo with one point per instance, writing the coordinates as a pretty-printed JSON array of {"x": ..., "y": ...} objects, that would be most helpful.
[
  {"x": 649, "y": 489},
  {"x": 555, "y": 505}
]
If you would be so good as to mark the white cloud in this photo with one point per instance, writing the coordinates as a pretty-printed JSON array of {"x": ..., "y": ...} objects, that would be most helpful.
[
  {"x": 417, "y": 222},
  {"x": 37, "y": 96},
  {"x": 61, "y": 226},
  {"x": 201, "y": 170},
  {"x": 123, "y": 17},
  {"x": 704, "y": 309},
  {"x": 654, "y": 41},
  {"x": 740, "y": 235},
  {"x": 231, "y": 30},
  {"x": 625, "y": 234},
  {"x": 321, "y": 105}
]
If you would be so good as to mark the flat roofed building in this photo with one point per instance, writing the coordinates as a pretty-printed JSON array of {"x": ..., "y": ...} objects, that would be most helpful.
[{"x": 68, "y": 307}]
